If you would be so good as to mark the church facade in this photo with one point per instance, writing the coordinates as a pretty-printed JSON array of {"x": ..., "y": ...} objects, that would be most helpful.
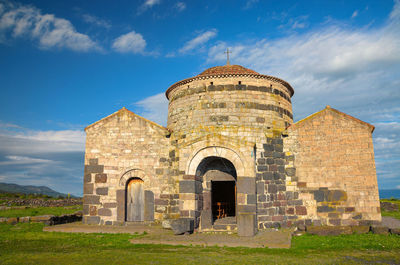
[{"x": 231, "y": 158}]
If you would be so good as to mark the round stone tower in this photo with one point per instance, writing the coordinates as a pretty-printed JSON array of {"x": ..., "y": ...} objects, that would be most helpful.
[
  {"x": 226, "y": 124},
  {"x": 231, "y": 100}
]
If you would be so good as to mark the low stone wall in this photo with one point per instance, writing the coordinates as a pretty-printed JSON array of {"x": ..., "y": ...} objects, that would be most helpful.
[
  {"x": 4, "y": 208},
  {"x": 46, "y": 219},
  {"x": 389, "y": 207},
  {"x": 345, "y": 230},
  {"x": 41, "y": 202}
]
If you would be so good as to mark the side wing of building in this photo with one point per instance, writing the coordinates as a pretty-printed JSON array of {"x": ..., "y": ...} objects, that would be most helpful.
[
  {"x": 120, "y": 148},
  {"x": 335, "y": 168}
]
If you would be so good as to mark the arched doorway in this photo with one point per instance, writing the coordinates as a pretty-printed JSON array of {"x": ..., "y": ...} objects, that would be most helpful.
[
  {"x": 219, "y": 190},
  {"x": 135, "y": 200}
]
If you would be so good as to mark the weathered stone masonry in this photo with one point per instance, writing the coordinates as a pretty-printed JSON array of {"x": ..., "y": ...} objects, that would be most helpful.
[
  {"x": 278, "y": 204},
  {"x": 335, "y": 169},
  {"x": 231, "y": 125},
  {"x": 118, "y": 148}
]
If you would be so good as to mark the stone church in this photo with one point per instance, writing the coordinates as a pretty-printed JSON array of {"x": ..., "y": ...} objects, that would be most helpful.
[{"x": 231, "y": 158}]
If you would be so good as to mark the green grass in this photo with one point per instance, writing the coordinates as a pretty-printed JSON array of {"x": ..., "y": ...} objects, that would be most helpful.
[
  {"x": 27, "y": 244},
  {"x": 40, "y": 211},
  {"x": 392, "y": 214},
  {"x": 395, "y": 201}
]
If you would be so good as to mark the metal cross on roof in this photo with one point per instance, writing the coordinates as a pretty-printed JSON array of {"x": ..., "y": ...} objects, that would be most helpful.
[{"x": 227, "y": 55}]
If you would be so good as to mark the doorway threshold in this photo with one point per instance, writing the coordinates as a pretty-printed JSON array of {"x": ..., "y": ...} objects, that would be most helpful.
[{"x": 225, "y": 224}]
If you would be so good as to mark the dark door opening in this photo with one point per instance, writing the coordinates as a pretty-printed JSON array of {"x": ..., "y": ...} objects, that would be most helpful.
[{"x": 223, "y": 199}]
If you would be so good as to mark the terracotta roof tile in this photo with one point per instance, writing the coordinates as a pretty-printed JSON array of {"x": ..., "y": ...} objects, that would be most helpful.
[{"x": 228, "y": 70}]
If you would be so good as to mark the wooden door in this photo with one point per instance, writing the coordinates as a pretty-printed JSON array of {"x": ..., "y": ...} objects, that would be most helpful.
[{"x": 135, "y": 201}]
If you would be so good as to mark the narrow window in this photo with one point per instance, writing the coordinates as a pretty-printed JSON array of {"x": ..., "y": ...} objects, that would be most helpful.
[
  {"x": 211, "y": 83},
  {"x": 240, "y": 82}
]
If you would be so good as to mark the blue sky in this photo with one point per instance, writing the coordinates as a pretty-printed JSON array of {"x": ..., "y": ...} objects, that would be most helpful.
[{"x": 67, "y": 64}]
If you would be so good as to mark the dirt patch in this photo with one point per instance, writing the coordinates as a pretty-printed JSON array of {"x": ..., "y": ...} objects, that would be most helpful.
[
  {"x": 155, "y": 234},
  {"x": 79, "y": 227},
  {"x": 270, "y": 239}
]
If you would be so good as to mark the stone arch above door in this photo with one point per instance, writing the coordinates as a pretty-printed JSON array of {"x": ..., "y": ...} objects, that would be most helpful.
[
  {"x": 217, "y": 151},
  {"x": 151, "y": 189},
  {"x": 132, "y": 173},
  {"x": 214, "y": 168},
  {"x": 150, "y": 181}
]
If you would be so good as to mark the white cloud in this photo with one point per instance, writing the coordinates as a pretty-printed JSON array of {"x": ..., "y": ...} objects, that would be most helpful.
[
  {"x": 1, "y": 8},
  {"x": 18, "y": 160},
  {"x": 332, "y": 63},
  {"x": 31, "y": 141},
  {"x": 19, "y": 21},
  {"x": 291, "y": 23},
  {"x": 327, "y": 52},
  {"x": 151, "y": 3},
  {"x": 250, "y": 3},
  {"x": 49, "y": 158},
  {"x": 386, "y": 144},
  {"x": 8, "y": 125},
  {"x": 131, "y": 42},
  {"x": 299, "y": 22},
  {"x": 389, "y": 126},
  {"x": 198, "y": 41},
  {"x": 180, "y": 6},
  {"x": 356, "y": 70},
  {"x": 355, "y": 13},
  {"x": 74, "y": 138},
  {"x": 170, "y": 55},
  {"x": 154, "y": 108},
  {"x": 96, "y": 21},
  {"x": 146, "y": 5}
]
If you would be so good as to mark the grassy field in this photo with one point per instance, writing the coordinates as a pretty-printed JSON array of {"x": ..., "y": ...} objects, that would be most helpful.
[
  {"x": 27, "y": 244},
  {"x": 40, "y": 211}
]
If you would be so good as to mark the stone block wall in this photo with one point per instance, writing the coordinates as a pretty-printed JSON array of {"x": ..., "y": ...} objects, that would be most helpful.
[
  {"x": 229, "y": 102},
  {"x": 224, "y": 117},
  {"x": 191, "y": 197},
  {"x": 334, "y": 168},
  {"x": 246, "y": 206},
  {"x": 278, "y": 202},
  {"x": 123, "y": 146}
]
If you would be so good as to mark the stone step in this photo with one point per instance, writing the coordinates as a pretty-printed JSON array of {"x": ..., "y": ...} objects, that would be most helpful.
[
  {"x": 138, "y": 223},
  {"x": 225, "y": 221},
  {"x": 224, "y": 227}
]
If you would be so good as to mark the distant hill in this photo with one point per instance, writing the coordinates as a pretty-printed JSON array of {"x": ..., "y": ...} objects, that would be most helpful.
[{"x": 15, "y": 188}]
